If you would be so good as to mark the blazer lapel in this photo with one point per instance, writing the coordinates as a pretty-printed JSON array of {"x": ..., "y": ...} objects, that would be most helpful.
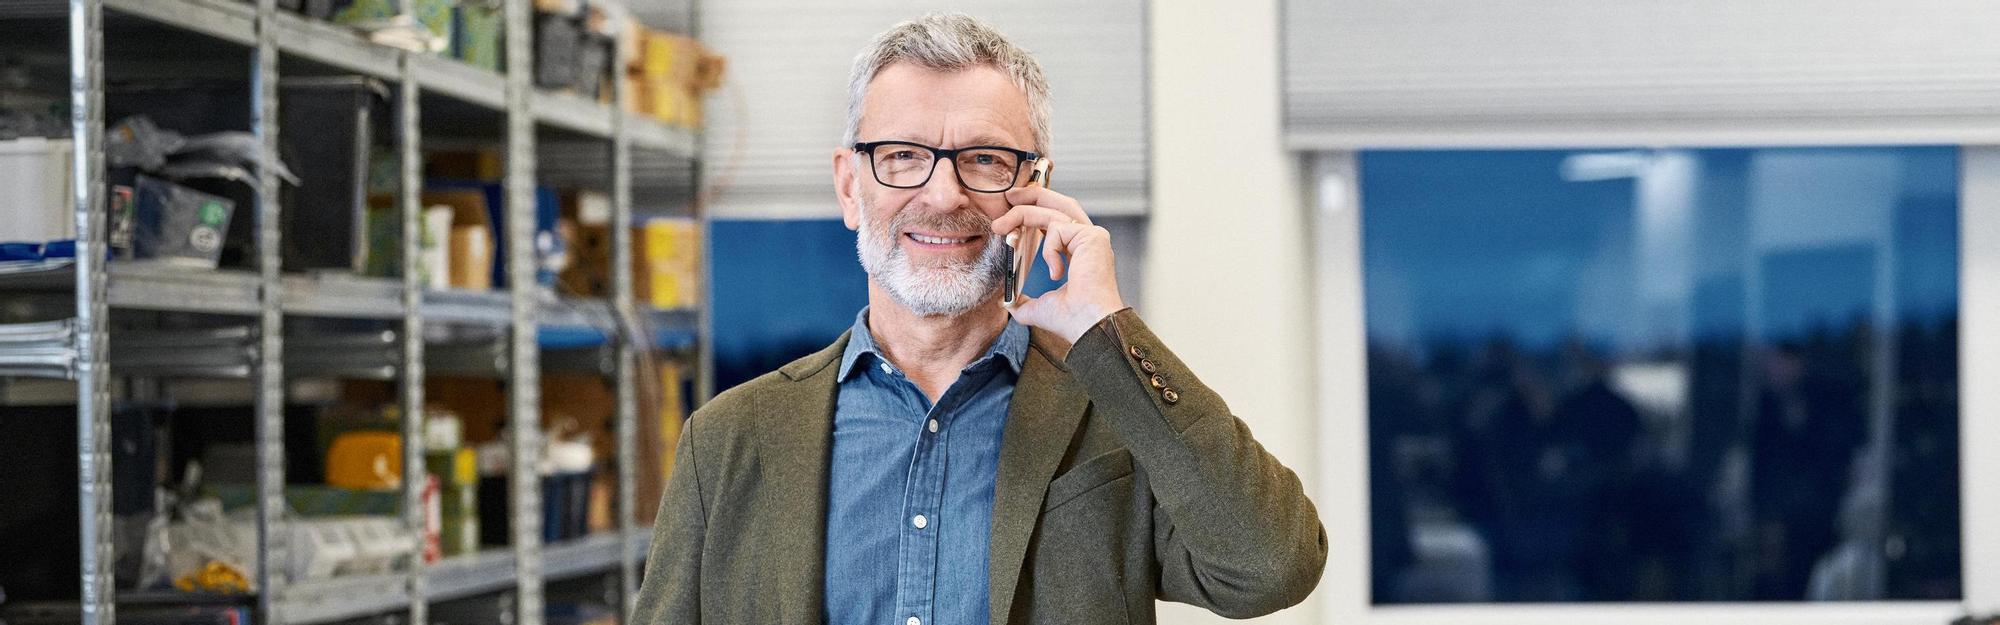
[
  {"x": 798, "y": 456},
  {"x": 1046, "y": 409}
]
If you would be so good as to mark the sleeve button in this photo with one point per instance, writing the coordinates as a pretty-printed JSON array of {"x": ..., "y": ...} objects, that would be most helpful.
[
  {"x": 1159, "y": 381},
  {"x": 1147, "y": 366},
  {"x": 1171, "y": 395},
  {"x": 1135, "y": 351}
]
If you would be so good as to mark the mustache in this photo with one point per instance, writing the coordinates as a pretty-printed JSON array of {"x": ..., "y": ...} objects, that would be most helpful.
[{"x": 961, "y": 220}]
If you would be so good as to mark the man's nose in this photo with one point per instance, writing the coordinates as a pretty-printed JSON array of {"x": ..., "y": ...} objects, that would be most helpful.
[{"x": 943, "y": 192}]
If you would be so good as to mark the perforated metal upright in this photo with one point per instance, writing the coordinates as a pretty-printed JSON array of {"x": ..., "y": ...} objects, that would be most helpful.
[
  {"x": 93, "y": 405},
  {"x": 410, "y": 384},
  {"x": 631, "y": 338},
  {"x": 272, "y": 534},
  {"x": 523, "y": 356}
]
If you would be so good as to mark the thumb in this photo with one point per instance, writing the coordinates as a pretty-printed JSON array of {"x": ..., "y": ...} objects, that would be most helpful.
[{"x": 1029, "y": 311}]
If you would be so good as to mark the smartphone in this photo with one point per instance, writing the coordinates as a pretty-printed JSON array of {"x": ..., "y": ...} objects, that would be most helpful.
[{"x": 1025, "y": 242}]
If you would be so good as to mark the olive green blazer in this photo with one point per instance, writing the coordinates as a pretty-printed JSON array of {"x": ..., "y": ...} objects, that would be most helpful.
[{"x": 1122, "y": 480}]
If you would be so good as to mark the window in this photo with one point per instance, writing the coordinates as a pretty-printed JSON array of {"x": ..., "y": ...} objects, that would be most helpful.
[{"x": 1673, "y": 375}]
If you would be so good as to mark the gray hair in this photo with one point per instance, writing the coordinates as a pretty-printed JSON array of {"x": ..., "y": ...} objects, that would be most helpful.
[{"x": 949, "y": 42}]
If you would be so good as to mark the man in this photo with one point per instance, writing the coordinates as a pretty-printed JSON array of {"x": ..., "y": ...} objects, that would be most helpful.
[{"x": 947, "y": 462}]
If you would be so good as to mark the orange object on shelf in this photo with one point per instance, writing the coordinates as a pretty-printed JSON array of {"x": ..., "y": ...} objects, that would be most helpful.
[{"x": 365, "y": 460}]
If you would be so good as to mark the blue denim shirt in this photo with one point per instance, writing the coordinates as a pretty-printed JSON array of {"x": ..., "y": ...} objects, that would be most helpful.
[{"x": 910, "y": 497}]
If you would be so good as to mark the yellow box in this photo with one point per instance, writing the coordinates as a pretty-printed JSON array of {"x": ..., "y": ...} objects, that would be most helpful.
[
  {"x": 666, "y": 56},
  {"x": 666, "y": 258}
]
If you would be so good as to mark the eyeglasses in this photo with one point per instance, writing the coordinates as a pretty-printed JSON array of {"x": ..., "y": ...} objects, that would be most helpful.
[{"x": 981, "y": 168}]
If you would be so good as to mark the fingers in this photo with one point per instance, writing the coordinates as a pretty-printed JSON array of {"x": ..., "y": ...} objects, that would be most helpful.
[
  {"x": 1043, "y": 197},
  {"x": 1031, "y": 216},
  {"x": 1064, "y": 241},
  {"x": 1053, "y": 255}
]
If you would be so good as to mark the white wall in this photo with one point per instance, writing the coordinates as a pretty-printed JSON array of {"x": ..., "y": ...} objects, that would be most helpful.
[{"x": 1227, "y": 278}]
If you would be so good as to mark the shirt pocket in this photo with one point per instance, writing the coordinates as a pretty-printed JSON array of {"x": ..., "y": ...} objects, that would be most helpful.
[{"x": 1103, "y": 469}]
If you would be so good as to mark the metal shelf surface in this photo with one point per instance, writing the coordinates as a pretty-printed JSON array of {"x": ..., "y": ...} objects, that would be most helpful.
[
  {"x": 573, "y": 113},
  {"x": 596, "y": 553},
  {"x": 342, "y": 598},
  {"x": 343, "y": 296},
  {"x": 232, "y": 21},
  {"x": 471, "y": 574},
  {"x": 458, "y": 80},
  {"x": 166, "y": 287}
]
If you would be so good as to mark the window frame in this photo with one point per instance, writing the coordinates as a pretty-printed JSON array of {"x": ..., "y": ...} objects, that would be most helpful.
[{"x": 1334, "y": 198}]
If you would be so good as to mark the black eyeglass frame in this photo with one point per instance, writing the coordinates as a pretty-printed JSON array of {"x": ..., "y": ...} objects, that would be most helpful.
[{"x": 939, "y": 154}]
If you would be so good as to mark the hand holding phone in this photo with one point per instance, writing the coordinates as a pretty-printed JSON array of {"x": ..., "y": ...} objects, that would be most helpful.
[{"x": 1024, "y": 242}]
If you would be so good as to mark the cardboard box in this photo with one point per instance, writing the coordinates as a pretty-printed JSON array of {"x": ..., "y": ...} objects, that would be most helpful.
[
  {"x": 666, "y": 256},
  {"x": 470, "y": 245},
  {"x": 546, "y": 248},
  {"x": 465, "y": 164},
  {"x": 662, "y": 410},
  {"x": 665, "y": 56},
  {"x": 585, "y": 229},
  {"x": 480, "y": 403},
  {"x": 669, "y": 102}
]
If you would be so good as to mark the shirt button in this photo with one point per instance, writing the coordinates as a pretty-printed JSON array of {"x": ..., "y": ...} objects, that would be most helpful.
[
  {"x": 933, "y": 426},
  {"x": 888, "y": 369},
  {"x": 920, "y": 522},
  {"x": 913, "y": 621}
]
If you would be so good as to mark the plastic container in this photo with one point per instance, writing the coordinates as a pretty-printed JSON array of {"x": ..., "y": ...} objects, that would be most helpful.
[
  {"x": 35, "y": 172},
  {"x": 179, "y": 225}
]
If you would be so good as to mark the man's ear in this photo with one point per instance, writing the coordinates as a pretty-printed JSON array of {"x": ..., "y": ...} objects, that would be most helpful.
[{"x": 846, "y": 187}]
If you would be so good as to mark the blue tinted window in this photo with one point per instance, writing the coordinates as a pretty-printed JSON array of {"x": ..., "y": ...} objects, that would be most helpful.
[{"x": 1662, "y": 375}]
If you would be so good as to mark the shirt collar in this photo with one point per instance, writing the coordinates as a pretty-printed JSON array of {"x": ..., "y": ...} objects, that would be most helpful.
[{"x": 1011, "y": 346}]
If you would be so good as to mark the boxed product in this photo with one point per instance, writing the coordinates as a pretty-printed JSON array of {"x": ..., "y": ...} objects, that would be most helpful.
[
  {"x": 469, "y": 246},
  {"x": 548, "y": 249},
  {"x": 669, "y": 74},
  {"x": 665, "y": 56},
  {"x": 434, "y": 247},
  {"x": 585, "y": 226},
  {"x": 666, "y": 258}
]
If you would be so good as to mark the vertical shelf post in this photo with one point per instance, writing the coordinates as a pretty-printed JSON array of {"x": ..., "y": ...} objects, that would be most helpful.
[
  {"x": 410, "y": 389},
  {"x": 93, "y": 405},
  {"x": 523, "y": 364},
  {"x": 632, "y": 337},
  {"x": 272, "y": 532}
]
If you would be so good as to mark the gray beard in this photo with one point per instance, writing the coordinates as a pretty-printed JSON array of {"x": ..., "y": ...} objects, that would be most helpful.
[{"x": 949, "y": 290}]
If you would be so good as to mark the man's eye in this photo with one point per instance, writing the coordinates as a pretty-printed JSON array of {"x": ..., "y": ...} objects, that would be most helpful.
[
  {"x": 985, "y": 159},
  {"x": 903, "y": 155}
]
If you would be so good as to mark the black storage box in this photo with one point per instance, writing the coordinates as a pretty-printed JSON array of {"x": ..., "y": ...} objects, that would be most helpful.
[{"x": 330, "y": 128}]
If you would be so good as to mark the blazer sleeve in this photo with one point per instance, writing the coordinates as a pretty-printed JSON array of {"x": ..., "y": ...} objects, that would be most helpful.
[
  {"x": 1234, "y": 531},
  {"x": 670, "y": 592}
]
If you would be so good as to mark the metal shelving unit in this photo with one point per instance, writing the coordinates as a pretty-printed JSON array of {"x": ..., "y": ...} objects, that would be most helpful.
[{"x": 265, "y": 298}]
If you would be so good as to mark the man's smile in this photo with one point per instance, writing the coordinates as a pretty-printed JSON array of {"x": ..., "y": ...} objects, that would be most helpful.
[{"x": 938, "y": 241}]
